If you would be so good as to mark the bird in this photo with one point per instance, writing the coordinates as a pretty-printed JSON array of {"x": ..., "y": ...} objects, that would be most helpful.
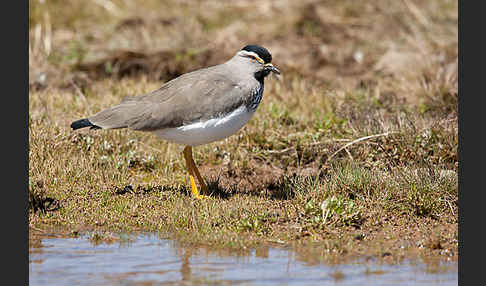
[{"x": 195, "y": 108}]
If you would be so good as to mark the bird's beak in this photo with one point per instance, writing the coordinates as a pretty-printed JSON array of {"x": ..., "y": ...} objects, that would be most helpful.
[{"x": 270, "y": 67}]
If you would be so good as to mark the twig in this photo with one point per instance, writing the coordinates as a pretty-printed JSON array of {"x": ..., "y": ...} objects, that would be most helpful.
[
  {"x": 349, "y": 154},
  {"x": 358, "y": 140},
  {"x": 280, "y": 151},
  {"x": 450, "y": 206},
  {"x": 287, "y": 150}
]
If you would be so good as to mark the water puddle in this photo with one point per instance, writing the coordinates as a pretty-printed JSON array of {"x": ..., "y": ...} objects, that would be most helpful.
[{"x": 150, "y": 260}]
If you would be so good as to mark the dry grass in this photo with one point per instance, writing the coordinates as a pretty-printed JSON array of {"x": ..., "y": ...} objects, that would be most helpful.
[{"x": 353, "y": 152}]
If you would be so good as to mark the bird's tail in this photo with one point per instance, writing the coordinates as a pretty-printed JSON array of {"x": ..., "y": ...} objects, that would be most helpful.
[{"x": 82, "y": 123}]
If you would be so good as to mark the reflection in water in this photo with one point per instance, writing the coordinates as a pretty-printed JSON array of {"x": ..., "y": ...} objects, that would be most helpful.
[
  {"x": 148, "y": 260},
  {"x": 186, "y": 266}
]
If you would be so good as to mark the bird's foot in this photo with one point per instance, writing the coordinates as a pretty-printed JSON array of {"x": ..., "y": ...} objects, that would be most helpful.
[{"x": 202, "y": 197}]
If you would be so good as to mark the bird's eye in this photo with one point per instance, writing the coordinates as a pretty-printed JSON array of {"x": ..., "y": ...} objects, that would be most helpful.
[{"x": 255, "y": 58}]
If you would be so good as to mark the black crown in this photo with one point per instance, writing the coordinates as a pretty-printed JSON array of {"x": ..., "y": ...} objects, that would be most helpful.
[{"x": 260, "y": 51}]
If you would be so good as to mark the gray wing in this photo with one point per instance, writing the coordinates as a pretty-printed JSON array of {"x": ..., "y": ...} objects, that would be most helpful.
[{"x": 199, "y": 95}]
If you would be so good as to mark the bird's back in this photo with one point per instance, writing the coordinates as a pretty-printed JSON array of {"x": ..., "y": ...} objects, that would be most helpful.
[{"x": 199, "y": 95}]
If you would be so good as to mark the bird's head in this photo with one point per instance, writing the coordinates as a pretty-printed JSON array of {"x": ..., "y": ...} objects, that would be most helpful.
[{"x": 258, "y": 60}]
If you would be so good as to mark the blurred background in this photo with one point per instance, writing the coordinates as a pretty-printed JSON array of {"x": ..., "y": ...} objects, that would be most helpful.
[{"x": 405, "y": 49}]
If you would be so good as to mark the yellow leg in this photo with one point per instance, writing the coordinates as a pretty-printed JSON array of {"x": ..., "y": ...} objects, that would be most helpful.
[
  {"x": 204, "y": 188},
  {"x": 192, "y": 169}
]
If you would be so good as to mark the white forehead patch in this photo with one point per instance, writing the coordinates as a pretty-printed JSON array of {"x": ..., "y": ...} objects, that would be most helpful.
[{"x": 247, "y": 53}]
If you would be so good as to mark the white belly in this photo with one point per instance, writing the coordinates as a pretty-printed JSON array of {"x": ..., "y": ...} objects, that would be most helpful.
[{"x": 208, "y": 131}]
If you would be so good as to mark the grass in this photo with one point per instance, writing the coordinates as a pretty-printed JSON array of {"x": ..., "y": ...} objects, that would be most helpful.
[{"x": 346, "y": 156}]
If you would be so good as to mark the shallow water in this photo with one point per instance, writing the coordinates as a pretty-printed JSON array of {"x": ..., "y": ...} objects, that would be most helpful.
[{"x": 150, "y": 260}]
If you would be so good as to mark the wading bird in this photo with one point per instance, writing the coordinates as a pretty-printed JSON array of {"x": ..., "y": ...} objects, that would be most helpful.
[{"x": 195, "y": 108}]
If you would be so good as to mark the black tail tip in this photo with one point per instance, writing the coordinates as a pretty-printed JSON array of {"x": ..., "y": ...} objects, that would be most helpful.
[{"x": 83, "y": 123}]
